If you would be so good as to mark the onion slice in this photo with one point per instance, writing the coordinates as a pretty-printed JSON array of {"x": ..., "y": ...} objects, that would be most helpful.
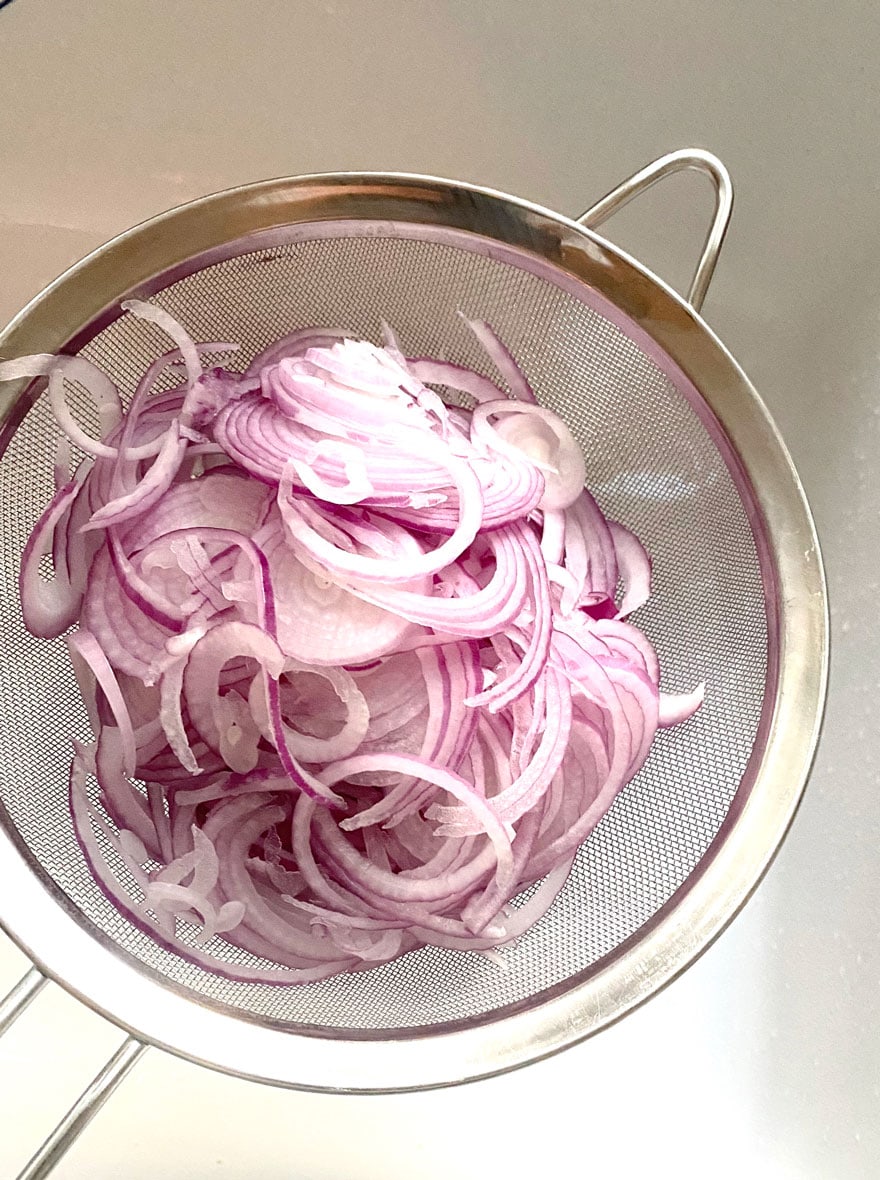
[{"x": 48, "y": 607}]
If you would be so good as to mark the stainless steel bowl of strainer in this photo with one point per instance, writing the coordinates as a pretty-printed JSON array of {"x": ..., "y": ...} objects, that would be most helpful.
[{"x": 678, "y": 446}]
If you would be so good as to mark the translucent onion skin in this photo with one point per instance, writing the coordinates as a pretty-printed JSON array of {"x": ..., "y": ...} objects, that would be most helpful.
[{"x": 356, "y": 661}]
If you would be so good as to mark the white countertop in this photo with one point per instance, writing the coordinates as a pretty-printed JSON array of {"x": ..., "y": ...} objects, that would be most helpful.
[{"x": 764, "y": 1059}]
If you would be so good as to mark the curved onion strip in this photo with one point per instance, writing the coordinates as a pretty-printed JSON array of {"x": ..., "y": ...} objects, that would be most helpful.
[
  {"x": 308, "y": 783},
  {"x": 503, "y": 359},
  {"x": 306, "y": 540},
  {"x": 150, "y": 489},
  {"x": 139, "y": 592},
  {"x": 93, "y": 671},
  {"x": 537, "y": 648},
  {"x": 303, "y": 746},
  {"x": 104, "y": 393},
  {"x": 126, "y": 806},
  {"x": 295, "y": 344},
  {"x": 523, "y": 793},
  {"x": 357, "y": 484},
  {"x": 490, "y": 609},
  {"x": 48, "y": 607},
  {"x": 634, "y": 568},
  {"x": 545, "y": 440},
  {"x": 678, "y": 707},
  {"x": 454, "y": 785},
  {"x": 457, "y": 377},
  {"x": 169, "y": 325}
]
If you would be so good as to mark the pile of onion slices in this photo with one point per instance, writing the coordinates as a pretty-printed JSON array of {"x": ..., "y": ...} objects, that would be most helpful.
[{"x": 355, "y": 658}]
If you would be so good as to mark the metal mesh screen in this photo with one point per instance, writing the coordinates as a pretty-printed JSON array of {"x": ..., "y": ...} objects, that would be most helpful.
[{"x": 651, "y": 463}]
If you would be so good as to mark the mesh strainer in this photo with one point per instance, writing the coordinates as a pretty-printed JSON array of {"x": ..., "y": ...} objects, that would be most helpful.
[{"x": 678, "y": 447}]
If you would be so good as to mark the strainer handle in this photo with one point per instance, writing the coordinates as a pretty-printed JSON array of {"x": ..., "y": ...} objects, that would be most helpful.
[
  {"x": 92, "y": 1098},
  {"x": 12, "y": 1005},
  {"x": 83, "y": 1111},
  {"x": 687, "y": 159}
]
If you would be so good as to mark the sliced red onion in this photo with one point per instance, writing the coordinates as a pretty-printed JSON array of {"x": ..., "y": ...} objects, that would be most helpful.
[
  {"x": 634, "y": 567},
  {"x": 387, "y": 884},
  {"x": 295, "y": 344},
  {"x": 143, "y": 594},
  {"x": 61, "y": 468},
  {"x": 171, "y": 711},
  {"x": 169, "y": 325},
  {"x": 48, "y": 607},
  {"x": 503, "y": 359},
  {"x": 102, "y": 390},
  {"x": 522, "y": 794},
  {"x": 93, "y": 671},
  {"x": 543, "y": 438},
  {"x": 317, "y": 588},
  {"x": 553, "y": 538},
  {"x": 151, "y": 488},
  {"x": 299, "y": 776},
  {"x": 126, "y": 807},
  {"x": 321, "y": 623},
  {"x": 306, "y": 540},
  {"x": 589, "y": 555},
  {"x": 134, "y": 911},
  {"x": 489, "y": 609},
  {"x": 301, "y": 745},
  {"x": 225, "y": 723},
  {"x": 357, "y": 486},
  {"x": 457, "y": 377},
  {"x": 678, "y": 707}
]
